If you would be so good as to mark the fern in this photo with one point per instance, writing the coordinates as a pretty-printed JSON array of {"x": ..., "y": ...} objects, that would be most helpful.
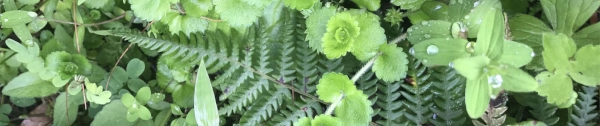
[
  {"x": 449, "y": 91},
  {"x": 326, "y": 65},
  {"x": 391, "y": 106},
  {"x": 368, "y": 84},
  {"x": 298, "y": 109},
  {"x": 306, "y": 60},
  {"x": 584, "y": 111},
  {"x": 542, "y": 110},
  {"x": 264, "y": 107},
  {"x": 416, "y": 93},
  {"x": 285, "y": 63},
  {"x": 495, "y": 112}
]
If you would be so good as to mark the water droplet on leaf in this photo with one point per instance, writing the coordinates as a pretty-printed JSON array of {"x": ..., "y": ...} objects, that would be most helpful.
[
  {"x": 451, "y": 64},
  {"x": 532, "y": 54},
  {"x": 495, "y": 80},
  {"x": 32, "y": 14},
  {"x": 409, "y": 30},
  {"x": 427, "y": 36},
  {"x": 432, "y": 50},
  {"x": 424, "y": 22},
  {"x": 411, "y": 51}
]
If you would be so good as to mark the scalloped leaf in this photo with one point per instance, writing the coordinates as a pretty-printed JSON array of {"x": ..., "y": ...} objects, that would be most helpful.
[
  {"x": 333, "y": 84},
  {"x": 516, "y": 54},
  {"x": 342, "y": 29},
  {"x": 316, "y": 26},
  {"x": 587, "y": 35},
  {"x": 197, "y": 8},
  {"x": 392, "y": 64},
  {"x": 326, "y": 120},
  {"x": 557, "y": 51},
  {"x": 355, "y": 110},
  {"x": 304, "y": 121},
  {"x": 529, "y": 30},
  {"x": 299, "y": 4},
  {"x": 586, "y": 66},
  {"x": 440, "y": 51},
  {"x": 429, "y": 30},
  {"x": 237, "y": 12},
  {"x": 150, "y": 10},
  {"x": 184, "y": 23},
  {"x": 371, "y": 35},
  {"x": 558, "y": 88},
  {"x": 372, "y": 5}
]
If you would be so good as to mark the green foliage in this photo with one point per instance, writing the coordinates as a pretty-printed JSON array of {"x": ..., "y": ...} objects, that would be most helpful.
[
  {"x": 418, "y": 99},
  {"x": 583, "y": 112},
  {"x": 205, "y": 109},
  {"x": 448, "y": 103}
]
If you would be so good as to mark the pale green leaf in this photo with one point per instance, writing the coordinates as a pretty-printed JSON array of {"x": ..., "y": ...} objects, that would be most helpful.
[
  {"x": 529, "y": 30},
  {"x": 557, "y": 51},
  {"x": 342, "y": 29},
  {"x": 58, "y": 82},
  {"x": 197, "y": 8},
  {"x": 490, "y": 40},
  {"x": 325, "y": 120},
  {"x": 144, "y": 113},
  {"x": 473, "y": 67},
  {"x": 316, "y": 26},
  {"x": 427, "y": 30},
  {"x": 304, "y": 121},
  {"x": 477, "y": 97},
  {"x": 332, "y": 85},
  {"x": 135, "y": 84},
  {"x": 62, "y": 108},
  {"x": 480, "y": 11},
  {"x": 237, "y": 13},
  {"x": 128, "y": 100},
  {"x": 557, "y": 88},
  {"x": 418, "y": 17},
  {"x": 28, "y": 2},
  {"x": 440, "y": 51},
  {"x": 408, "y": 4},
  {"x": 392, "y": 64},
  {"x": 517, "y": 80},
  {"x": 355, "y": 110},
  {"x": 566, "y": 16},
  {"x": 205, "y": 107},
  {"x": 135, "y": 68},
  {"x": 190, "y": 118},
  {"x": 23, "y": 34},
  {"x": 176, "y": 110},
  {"x": 119, "y": 75},
  {"x": 14, "y": 18},
  {"x": 516, "y": 54},
  {"x": 28, "y": 85},
  {"x": 133, "y": 114},
  {"x": 588, "y": 35},
  {"x": 143, "y": 95},
  {"x": 586, "y": 66},
  {"x": 371, "y": 35},
  {"x": 299, "y": 4},
  {"x": 150, "y": 10},
  {"x": 436, "y": 10},
  {"x": 95, "y": 3},
  {"x": 371, "y": 5},
  {"x": 113, "y": 114},
  {"x": 16, "y": 46},
  {"x": 459, "y": 9}
]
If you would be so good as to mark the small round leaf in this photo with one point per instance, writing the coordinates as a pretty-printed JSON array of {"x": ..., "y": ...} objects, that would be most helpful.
[{"x": 135, "y": 68}]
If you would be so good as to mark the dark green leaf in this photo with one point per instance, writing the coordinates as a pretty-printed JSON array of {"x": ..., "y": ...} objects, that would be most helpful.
[
  {"x": 566, "y": 16},
  {"x": 440, "y": 51},
  {"x": 436, "y": 10},
  {"x": 62, "y": 108},
  {"x": 113, "y": 114},
  {"x": 480, "y": 11},
  {"x": 588, "y": 35}
]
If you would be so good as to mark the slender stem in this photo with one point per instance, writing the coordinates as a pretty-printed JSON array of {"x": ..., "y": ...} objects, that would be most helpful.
[
  {"x": 399, "y": 38},
  {"x": 9, "y": 56},
  {"x": 75, "y": 25},
  {"x": 93, "y": 24},
  {"x": 364, "y": 69},
  {"x": 335, "y": 103}
]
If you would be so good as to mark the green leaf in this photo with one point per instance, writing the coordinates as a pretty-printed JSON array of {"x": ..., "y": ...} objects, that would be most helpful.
[
  {"x": 587, "y": 35},
  {"x": 304, "y": 121},
  {"x": 58, "y": 82},
  {"x": 144, "y": 113},
  {"x": 299, "y": 4},
  {"x": 237, "y": 13},
  {"x": 37, "y": 25},
  {"x": 342, "y": 29},
  {"x": 557, "y": 88},
  {"x": 28, "y": 85},
  {"x": 355, "y": 110},
  {"x": 557, "y": 51},
  {"x": 29, "y": 2},
  {"x": 62, "y": 108},
  {"x": 408, "y": 4},
  {"x": 22, "y": 102},
  {"x": 135, "y": 84},
  {"x": 113, "y": 114},
  {"x": 517, "y": 80},
  {"x": 184, "y": 97},
  {"x": 95, "y": 3},
  {"x": 184, "y": 23},
  {"x": 473, "y": 67},
  {"x": 119, "y": 75},
  {"x": 14, "y": 18},
  {"x": 176, "y": 110},
  {"x": 133, "y": 114},
  {"x": 427, "y": 30},
  {"x": 316, "y": 26},
  {"x": 459, "y": 9},
  {"x": 5, "y": 108},
  {"x": 325, "y": 120},
  {"x": 392, "y": 64},
  {"x": 436, "y": 10},
  {"x": 480, "y": 11},
  {"x": 440, "y": 51},
  {"x": 135, "y": 68},
  {"x": 371, "y": 35},
  {"x": 150, "y": 10},
  {"x": 333, "y": 84},
  {"x": 16, "y": 46},
  {"x": 128, "y": 100},
  {"x": 586, "y": 66},
  {"x": 372, "y": 5},
  {"x": 477, "y": 96},
  {"x": 205, "y": 104},
  {"x": 490, "y": 40},
  {"x": 516, "y": 54},
  {"x": 143, "y": 95},
  {"x": 162, "y": 118},
  {"x": 190, "y": 118},
  {"x": 566, "y": 16},
  {"x": 23, "y": 34}
]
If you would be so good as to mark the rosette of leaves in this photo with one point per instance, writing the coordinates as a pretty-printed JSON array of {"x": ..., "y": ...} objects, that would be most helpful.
[
  {"x": 66, "y": 66},
  {"x": 490, "y": 65},
  {"x": 135, "y": 105}
]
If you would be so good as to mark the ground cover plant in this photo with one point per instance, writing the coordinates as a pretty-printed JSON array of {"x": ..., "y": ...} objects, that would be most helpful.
[{"x": 299, "y": 62}]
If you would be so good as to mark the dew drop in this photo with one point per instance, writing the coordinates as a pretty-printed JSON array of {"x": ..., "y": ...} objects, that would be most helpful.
[
  {"x": 467, "y": 17},
  {"x": 32, "y": 14},
  {"x": 451, "y": 64},
  {"x": 532, "y": 54},
  {"x": 411, "y": 51},
  {"x": 5, "y": 20},
  {"x": 424, "y": 22},
  {"x": 427, "y": 36},
  {"x": 447, "y": 38},
  {"x": 432, "y": 49},
  {"x": 438, "y": 7},
  {"x": 495, "y": 80},
  {"x": 409, "y": 30},
  {"x": 425, "y": 61},
  {"x": 416, "y": 28},
  {"x": 476, "y": 4}
]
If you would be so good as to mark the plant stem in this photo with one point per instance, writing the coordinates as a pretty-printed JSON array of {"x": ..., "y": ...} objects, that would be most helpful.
[
  {"x": 364, "y": 69},
  {"x": 335, "y": 104},
  {"x": 9, "y": 56},
  {"x": 399, "y": 38}
]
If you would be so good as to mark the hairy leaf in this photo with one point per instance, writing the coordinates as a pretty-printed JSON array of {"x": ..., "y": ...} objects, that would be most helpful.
[
  {"x": 556, "y": 87},
  {"x": 354, "y": 110},
  {"x": 299, "y": 4},
  {"x": 332, "y": 85},
  {"x": 391, "y": 65},
  {"x": 237, "y": 13},
  {"x": 477, "y": 96},
  {"x": 342, "y": 29},
  {"x": 316, "y": 26},
  {"x": 371, "y": 35}
]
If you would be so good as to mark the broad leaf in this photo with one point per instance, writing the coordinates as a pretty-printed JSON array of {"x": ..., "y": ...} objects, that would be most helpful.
[
  {"x": 427, "y": 30},
  {"x": 143, "y": 95},
  {"x": 490, "y": 39},
  {"x": 371, "y": 35},
  {"x": 323, "y": 120},
  {"x": 586, "y": 66},
  {"x": 150, "y": 10},
  {"x": 566, "y": 16},
  {"x": 459, "y": 9},
  {"x": 16, "y": 46},
  {"x": 440, "y": 51},
  {"x": 113, "y": 114},
  {"x": 557, "y": 88},
  {"x": 205, "y": 104},
  {"x": 557, "y": 51},
  {"x": 237, "y": 13},
  {"x": 473, "y": 67},
  {"x": 516, "y": 54},
  {"x": 342, "y": 29},
  {"x": 481, "y": 9},
  {"x": 391, "y": 65},
  {"x": 332, "y": 85},
  {"x": 477, "y": 96},
  {"x": 588, "y": 35},
  {"x": 355, "y": 110},
  {"x": 517, "y": 80},
  {"x": 529, "y": 30},
  {"x": 29, "y": 85},
  {"x": 10, "y": 19},
  {"x": 62, "y": 107},
  {"x": 135, "y": 68},
  {"x": 316, "y": 26}
]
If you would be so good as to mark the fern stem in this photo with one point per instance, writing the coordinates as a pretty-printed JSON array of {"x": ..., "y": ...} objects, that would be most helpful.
[{"x": 364, "y": 69}]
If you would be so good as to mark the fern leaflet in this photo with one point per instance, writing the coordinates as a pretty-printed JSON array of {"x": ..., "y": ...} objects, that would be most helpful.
[{"x": 584, "y": 111}]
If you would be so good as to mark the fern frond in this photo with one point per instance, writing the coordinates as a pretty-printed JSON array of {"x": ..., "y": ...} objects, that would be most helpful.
[
  {"x": 391, "y": 106},
  {"x": 326, "y": 65},
  {"x": 584, "y": 111},
  {"x": 286, "y": 47},
  {"x": 293, "y": 112},
  {"x": 493, "y": 117},
  {"x": 306, "y": 60},
  {"x": 449, "y": 88},
  {"x": 541, "y": 109},
  {"x": 368, "y": 84},
  {"x": 263, "y": 108},
  {"x": 418, "y": 98}
]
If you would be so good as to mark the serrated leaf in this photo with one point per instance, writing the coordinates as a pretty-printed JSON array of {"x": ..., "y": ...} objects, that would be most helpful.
[
  {"x": 516, "y": 54},
  {"x": 135, "y": 68},
  {"x": 355, "y": 109},
  {"x": 143, "y": 95},
  {"x": 14, "y": 18},
  {"x": 473, "y": 67},
  {"x": 371, "y": 35},
  {"x": 28, "y": 85},
  {"x": 342, "y": 29},
  {"x": 477, "y": 96},
  {"x": 490, "y": 40},
  {"x": 112, "y": 114},
  {"x": 429, "y": 30},
  {"x": 556, "y": 87},
  {"x": 566, "y": 16},
  {"x": 371, "y": 5},
  {"x": 392, "y": 64},
  {"x": 184, "y": 23},
  {"x": 150, "y": 10},
  {"x": 237, "y": 13},
  {"x": 205, "y": 105},
  {"x": 586, "y": 66},
  {"x": 196, "y": 8},
  {"x": 557, "y": 51},
  {"x": 324, "y": 120},
  {"x": 588, "y": 35},
  {"x": 517, "y": 80},
  {"x": 332, "y": 85},
  {"x": 436, "y": 10},
  {"x": 480, "y": 11},
  {"x": 299, "y": 4},
  {"x": 408, "y": 4},
  {"x": 440, "y": 51},
  {"x": 316, "y": 26}
]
